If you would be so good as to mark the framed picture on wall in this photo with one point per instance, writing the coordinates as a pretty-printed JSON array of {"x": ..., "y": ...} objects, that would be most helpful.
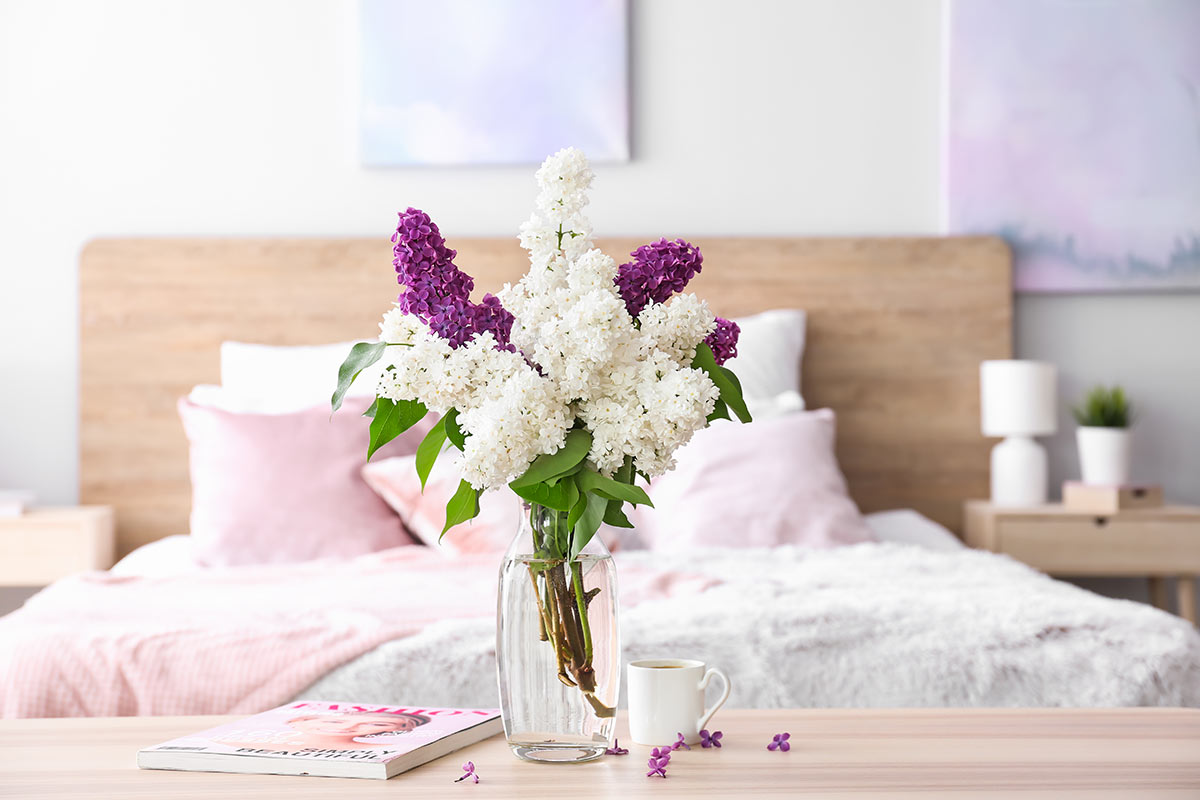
[
  {"x": 1073, "y": 130},
  {"x": 497, "y": 82}
]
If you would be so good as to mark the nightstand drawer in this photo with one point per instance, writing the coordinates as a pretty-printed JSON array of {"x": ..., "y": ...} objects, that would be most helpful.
[
  {"x": 1102, "y": 545},
  {"x": 44, "y": 545}
]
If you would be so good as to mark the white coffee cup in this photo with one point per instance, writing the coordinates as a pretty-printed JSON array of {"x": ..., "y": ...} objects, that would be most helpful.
[{"x": 666, "y": 698}]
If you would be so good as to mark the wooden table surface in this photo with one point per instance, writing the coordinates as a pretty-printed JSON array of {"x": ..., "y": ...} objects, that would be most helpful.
[{"x": 894, "y": 753}]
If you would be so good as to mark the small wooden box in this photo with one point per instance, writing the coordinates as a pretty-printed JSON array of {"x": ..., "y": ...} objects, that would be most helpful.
[
  {"x": 1110, "y": 499},
  {"x": 45, "y": 544}
]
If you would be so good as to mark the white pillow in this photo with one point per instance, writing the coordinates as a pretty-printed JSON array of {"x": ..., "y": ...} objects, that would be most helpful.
[
  {"x": 905, "y": 526},
  {"x": 209, "y": 395},
  {"x": 279, "y": 379},
  {"x": 770, "y": 348}
]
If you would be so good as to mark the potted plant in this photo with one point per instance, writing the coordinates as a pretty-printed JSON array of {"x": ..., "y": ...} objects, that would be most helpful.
[{"x": 1104, "y": 418}]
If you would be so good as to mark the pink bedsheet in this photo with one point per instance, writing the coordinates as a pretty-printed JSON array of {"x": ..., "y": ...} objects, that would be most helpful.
[{"x": 237, "y": 640}]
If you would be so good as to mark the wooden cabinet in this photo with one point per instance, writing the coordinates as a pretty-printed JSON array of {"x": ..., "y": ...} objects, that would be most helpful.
[
  {"x": 1155, "y": 543},
  {"x": 45, "y": 544}
]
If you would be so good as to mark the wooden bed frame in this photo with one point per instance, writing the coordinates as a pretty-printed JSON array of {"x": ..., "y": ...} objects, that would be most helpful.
[{"x": 896, "y": 330}]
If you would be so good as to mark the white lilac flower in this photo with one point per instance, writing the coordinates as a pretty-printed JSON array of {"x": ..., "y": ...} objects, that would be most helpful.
[
  {"x": 677, "y": 326},
  {"x": 574, "y": 354}
]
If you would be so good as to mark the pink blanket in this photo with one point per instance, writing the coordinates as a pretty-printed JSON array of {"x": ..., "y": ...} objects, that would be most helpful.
[{"x": 237, "y": 640}]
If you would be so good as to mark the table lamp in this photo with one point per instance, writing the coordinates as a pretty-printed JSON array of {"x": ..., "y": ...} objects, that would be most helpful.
[{"x": 1018, "y": 401}]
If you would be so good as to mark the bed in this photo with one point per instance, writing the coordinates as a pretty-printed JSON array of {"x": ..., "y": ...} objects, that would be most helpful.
[{"x": 896, "y": 329}]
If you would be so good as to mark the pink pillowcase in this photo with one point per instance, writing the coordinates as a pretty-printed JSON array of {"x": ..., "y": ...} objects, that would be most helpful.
[
  {"x": 766, "y": 483},
  {"x": 424, "y": 514},
  {"x": 270, "y": 488}
]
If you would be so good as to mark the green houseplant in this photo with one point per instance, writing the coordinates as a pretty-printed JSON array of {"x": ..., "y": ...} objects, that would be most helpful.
[{"x": 1104, "y": 417}]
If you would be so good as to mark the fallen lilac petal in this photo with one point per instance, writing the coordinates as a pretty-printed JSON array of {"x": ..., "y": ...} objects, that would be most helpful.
[
  {"x": 710, "y": 739},
  {"x": 680, "y": 743},
  {"x": 658, "y": 761},
  {"x": 780, "y": 742},
  {"x": 616, "y": 749},
  {"x": 468, "y": 772}
]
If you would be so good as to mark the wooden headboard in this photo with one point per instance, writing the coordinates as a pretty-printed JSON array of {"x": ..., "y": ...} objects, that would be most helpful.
[{"x": 896, "y": 330}]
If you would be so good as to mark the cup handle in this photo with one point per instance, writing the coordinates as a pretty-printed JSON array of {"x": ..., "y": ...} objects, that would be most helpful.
[{"x": 708, "y": 713}]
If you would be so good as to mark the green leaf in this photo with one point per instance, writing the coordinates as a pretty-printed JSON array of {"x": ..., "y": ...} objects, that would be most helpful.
[
  {"x": 552, "y": 465},
  {"x": 588, "y": 524},
  {"x": 392, "y": 418},
  {"x": 613, "y": 515},
  {"x": 591, "y": 481},
  {"x": 429, "y": 450},
  {"x": 573, "y": 493},
  {"x": 463, "y": 506},
  {"x": 453, "y": 432},
  {"x": 724, "y": 379},
  {"x": 361, "y": 356},
  {"x": 576, "y": 511},
  {"x": 561, "y": 496},
  {"x": 572, "y": 471},
  {"x": 1104, "y": 408},
  {"x": 625, "y": 473},
  {"x": 370, "y": 412}
]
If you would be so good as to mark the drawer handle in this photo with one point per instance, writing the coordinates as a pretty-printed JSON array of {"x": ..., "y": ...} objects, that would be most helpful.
[
  {"x": 1101, "y": 522},
  {"x": 1139, "y": 492}
]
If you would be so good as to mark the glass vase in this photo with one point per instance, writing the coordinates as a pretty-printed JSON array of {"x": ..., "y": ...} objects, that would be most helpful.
[{"x": 557, "y": 645}]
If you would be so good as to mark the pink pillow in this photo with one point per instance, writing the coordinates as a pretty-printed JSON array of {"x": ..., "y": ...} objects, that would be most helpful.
[
  {"x": 286, "y": 487},
  {"x": 424, "y": 514},
  {"x": 767, "y": 483}
]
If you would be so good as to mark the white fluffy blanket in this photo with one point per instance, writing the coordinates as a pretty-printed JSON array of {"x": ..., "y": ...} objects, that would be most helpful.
[{"x": 871, "y": 625}]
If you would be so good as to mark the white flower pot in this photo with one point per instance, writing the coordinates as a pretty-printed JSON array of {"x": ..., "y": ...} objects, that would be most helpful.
[{"x": 1103, "y": 455}]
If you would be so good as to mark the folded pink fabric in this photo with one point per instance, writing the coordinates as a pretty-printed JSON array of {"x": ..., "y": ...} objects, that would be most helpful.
[
  {"x": 241, "y": 639},
  {"x": 424, "y": 512},
  {"x": 766, "y": 483},
  {"x": 270, "y": 488}
]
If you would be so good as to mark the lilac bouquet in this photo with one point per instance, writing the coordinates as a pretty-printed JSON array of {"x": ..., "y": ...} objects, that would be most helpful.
[{"x": 564, "y": 387}]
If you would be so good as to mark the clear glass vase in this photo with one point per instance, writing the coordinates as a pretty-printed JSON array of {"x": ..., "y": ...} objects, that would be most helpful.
[{"x": 557, "y": 645}]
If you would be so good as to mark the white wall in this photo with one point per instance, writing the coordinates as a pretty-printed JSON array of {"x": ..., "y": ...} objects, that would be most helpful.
[{"x": 238, "y": 117}]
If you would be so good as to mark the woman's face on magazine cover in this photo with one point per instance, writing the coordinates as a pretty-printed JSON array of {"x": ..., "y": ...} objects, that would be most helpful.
[{"x": 351, "y": 724}]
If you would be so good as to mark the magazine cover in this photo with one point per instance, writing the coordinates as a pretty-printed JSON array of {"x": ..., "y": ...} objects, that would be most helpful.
[{"x": 310, "y": 733}]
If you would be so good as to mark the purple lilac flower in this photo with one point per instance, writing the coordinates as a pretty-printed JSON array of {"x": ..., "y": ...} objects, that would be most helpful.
[
  {"x": 426, "y": 266},
  {"x": 723, "y": 340},
  {"x": 616, "y": 749},
  {"x": 490, "y": 315},
  {"x": 660, "y": 757},
  {"x": 710, "y": 739},
  {"x": 658, "y": 270},
  {"x": 780, "y": 742},
  {"x": 454, "y": 322},
  {"x": 468, "y": 772},
  {"x": 681, "y": 743},
  {"x": 438, "y": 292}
]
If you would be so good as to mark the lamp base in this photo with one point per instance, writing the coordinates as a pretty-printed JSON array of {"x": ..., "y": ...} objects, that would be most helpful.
[{"x": 1018, "y": 472}]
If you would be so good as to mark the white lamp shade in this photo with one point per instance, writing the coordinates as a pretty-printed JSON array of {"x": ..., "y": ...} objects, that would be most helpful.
[{"x": 1018, "y": 398}]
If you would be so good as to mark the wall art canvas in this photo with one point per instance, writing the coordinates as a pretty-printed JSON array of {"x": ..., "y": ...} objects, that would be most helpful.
[
  {"x": 1073, "y": 130},
  {"x": 496, "y": 82}
]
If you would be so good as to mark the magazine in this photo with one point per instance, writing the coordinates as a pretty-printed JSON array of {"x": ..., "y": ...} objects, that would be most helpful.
[{"x": 339, "y": 740}]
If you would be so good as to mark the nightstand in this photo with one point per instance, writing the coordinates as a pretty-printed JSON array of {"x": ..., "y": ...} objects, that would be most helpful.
[
  {"x": 45, "y": 544},
  {"x": 1155, "y": 543}
]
